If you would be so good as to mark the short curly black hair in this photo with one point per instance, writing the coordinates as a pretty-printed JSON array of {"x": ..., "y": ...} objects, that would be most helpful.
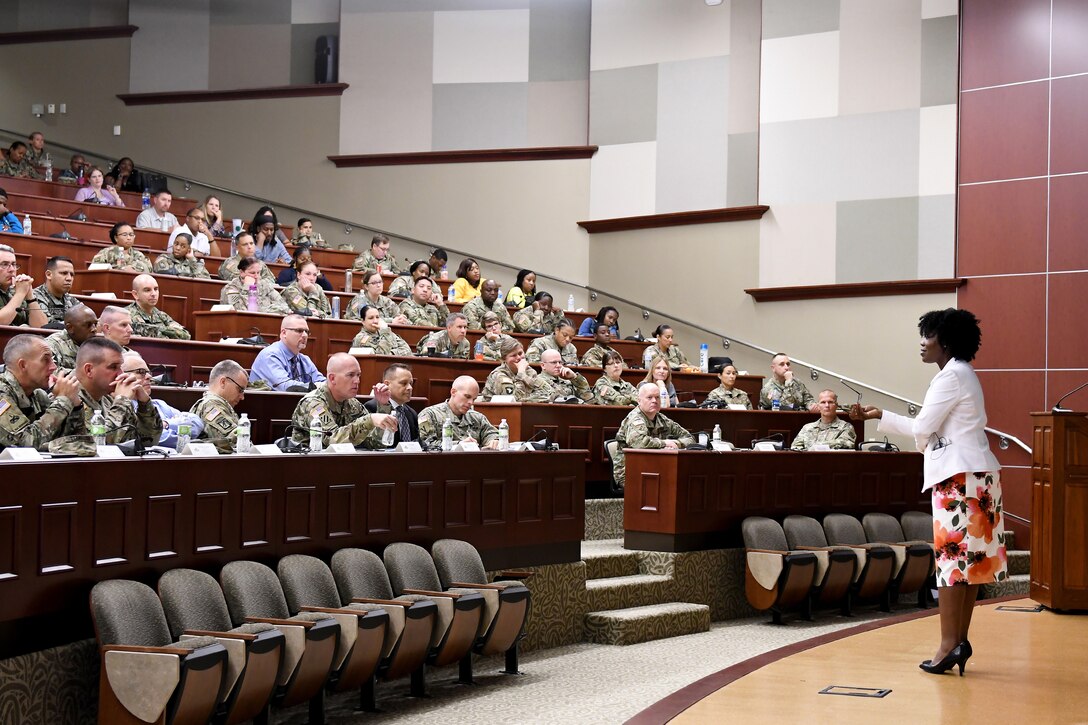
[{"x": 957, "y": 331}]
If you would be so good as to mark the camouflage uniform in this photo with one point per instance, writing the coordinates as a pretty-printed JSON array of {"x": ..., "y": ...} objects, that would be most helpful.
[
  {"x": 156, "y": 324},
  {"x": 23, "y": 169},
  {"x": 676, "y": 356},
  {"x": 220, "y": 418},
  {"x": 367, "y": 261},
  {"x": 268, "y": 299},
  {"x": 22, "y": 312},
  {"x": 792, "y": 395},
  {"x": 64, "y": 349},
  {"x": 534, "y": 387},
  {"x": 29, "y": 421},
  {"x": 343, "y": 422},
  {"x": 424, "y": 315},
  {"x": 638, "y": 431},
  {"x": 53, "y": 308},
  {"x": 228, "y": 270},
  {"x": 401, "y": 286},
  {"x": 500, "y": 381},
  {"x": 355, "y": 308},
  {"x": 548, "y": 342},
  {"x": 734, "y": 396},
  {"x": 528, "y": 320},
  {"x": 837, "y": 434},
  {"x": 442, "y": 345},
  {"x": 386, "y": 342},
  {"x": 316, "y": 302},
  {"x": 595, "y": 356},
  {"x": 118, "y": 412},
  {"x": 475, "y": 310},
  {"x": 118, "y": 257},
  {"x": 615, "y": 393},
  {"x": 471, "y": 424},
  {"x": 35, "y": 157},
  {"x": 313, "y": 240},
  {"x": 492, "y": 347},
  {"x": 169, "y": 264}
]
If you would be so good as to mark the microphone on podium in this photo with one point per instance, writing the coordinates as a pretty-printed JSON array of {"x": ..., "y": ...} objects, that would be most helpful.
[{"x": 1058, "y": 406}]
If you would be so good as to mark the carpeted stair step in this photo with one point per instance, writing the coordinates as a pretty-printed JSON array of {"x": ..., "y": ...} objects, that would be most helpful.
[
  {"x": 1019, "y": 562},
  {"x": 604, "y": 518},
  {"x": 642, "y": 624},
  {"x": 1015, "y": 584},
  {"x": 620, "y": 592},
  {"x": 608, "y": 559}
]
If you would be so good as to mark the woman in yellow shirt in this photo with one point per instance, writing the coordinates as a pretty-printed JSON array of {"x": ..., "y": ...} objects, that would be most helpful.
[{"x": 467, "y": 286}]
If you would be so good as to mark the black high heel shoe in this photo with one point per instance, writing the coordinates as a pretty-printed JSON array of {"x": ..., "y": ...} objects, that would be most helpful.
[{"x": 958, "y": 656}]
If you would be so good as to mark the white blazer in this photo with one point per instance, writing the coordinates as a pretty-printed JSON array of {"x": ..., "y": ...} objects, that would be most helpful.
[{"x": 949, "y": 430}]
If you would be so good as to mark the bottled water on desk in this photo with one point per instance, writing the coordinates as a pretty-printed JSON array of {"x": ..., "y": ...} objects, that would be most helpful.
[
  {"x": 317, "y": 434},
  {"x": 98, "y": 428},
  {"x": 504, "y": 435},
  {"x": 184, "y": 434},
  {"x": 776, "y": 400},
  {"x": 704, "y": 358},
  {"x": 716, "y": 436},
  {"x": 27, "y": 225},
  {"x": 479, "y": 351},
  {"x": 447, "y": 436},
  {"x": 145, "y": 199},
  {"x": 251, "y": 299},
  {"x": 664, "y": 393},
  {"x": 48, "y": 167},
  {"x": 570, "y": 302},
  {"x": 244, "y": 439},
  {"x": 451, "y": 294}
]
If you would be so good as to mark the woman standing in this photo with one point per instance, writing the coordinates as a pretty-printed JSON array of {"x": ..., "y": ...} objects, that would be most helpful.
[{"x": 962, "y": 474}]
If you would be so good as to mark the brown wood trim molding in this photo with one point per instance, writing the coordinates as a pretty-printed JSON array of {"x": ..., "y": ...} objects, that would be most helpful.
[
  {"x": 468, "y": 156},
  {"x": 675, "y": 219},
  {"x": 237, "y": 94},
  {"x": 857, "y": 289},
  {"x": 63, "y": 34}
]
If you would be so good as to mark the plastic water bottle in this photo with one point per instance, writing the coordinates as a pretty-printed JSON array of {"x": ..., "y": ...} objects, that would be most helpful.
[
  {"x": 704, "y": 358},
  {"x": 647, "y": 356},
  {"x": 504, "y": 435},
  {"x": 447, "y": 436},
  {"x": 251, "y": 300},
  {"x": 387, "y": 437},
  {"x": 716, "y": 436},
  {"x": 498, "y": 300},
  {"x": 570, "y": 302},
  {"x": 27, "y": 225},
  {"x": 185, "y": 432},
  {"x": 479, "y": 349},
  {"x": 664, "y": 393},
  {"x": 98, "y": 428},
  {"x": 244, "y": 439},
  {"x": 336, "y": 308},
  {"x": 48, "y": 167},
  {"x": 776, "y": 400},
  {"x": 145, "y": 199},
  {"x": 317, "y": 434},
  {"x": 451, "y": 293}
]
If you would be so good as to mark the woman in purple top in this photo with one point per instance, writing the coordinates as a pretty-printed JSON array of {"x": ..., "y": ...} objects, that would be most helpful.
[{"x": 96, "y": 193}]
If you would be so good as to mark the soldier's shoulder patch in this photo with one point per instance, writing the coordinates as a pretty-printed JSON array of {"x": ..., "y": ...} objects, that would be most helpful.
[
  {"x": 4, "y": 405},
  {"x": 12, "y": 419},
  {"x": 214, "y": 414}
]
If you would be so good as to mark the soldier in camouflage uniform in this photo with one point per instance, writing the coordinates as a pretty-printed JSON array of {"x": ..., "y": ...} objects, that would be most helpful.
[
  {"x": 178, "y": 262},
  {"x": 451, "y": 342},
  {"x": 305, "y": 295},
  {"x": 467, "y": 423},
  {"x": 493, "y": 338},
  {"x": 595, "y": 355},
  {"x": 402, "y": 285},
  {"x": 424, "y": 307},
  {"x": 377, "y": 256},
  {"x": 647, "y": 427},
  {"x": 610, "y": 388},
  {"x": 342, "y": 416},
  {"x": 790, "y": 392},
  {"x": 378, "y": 337},
  {"x": 236, "y": 292},
  {"x": 560, "y": 341},
  {"x": 147, "y": 319},
  {"x": 17, "y": 164},
  {"x": 53, "y": 295},
  {"x": 554, "y": 381},
  {"x": 666, "y": 348},
  {"x": 726, "y": 393},
  {"x": 829, "y": 430},
  {"x": 80, "y": 324},
  {"x": 29, "y": 416},
  {"x": 122, "y": 255},
  {"x": 17, "y": 293},
  {"x": 36, "y": 152},
  {"x": 371, "y": 296},
  {"x": 247, "y": 248},
  {"x": 488, "y": 301},
  {"x": 226, "y": 387},
  {"x": 503, "y": 379},
  {"x": 538, "y": 316}
]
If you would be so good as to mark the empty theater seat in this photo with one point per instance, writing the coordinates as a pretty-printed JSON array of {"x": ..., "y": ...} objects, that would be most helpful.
[
  {"x": 836, "y": 567},
  {"x": 915, "y": 561},
  {"x": 879, "y": 566},
  {"x": 775, "y": 578}
]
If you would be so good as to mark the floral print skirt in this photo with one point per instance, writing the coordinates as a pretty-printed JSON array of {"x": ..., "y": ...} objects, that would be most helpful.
[{"x": 969, "y": 529}]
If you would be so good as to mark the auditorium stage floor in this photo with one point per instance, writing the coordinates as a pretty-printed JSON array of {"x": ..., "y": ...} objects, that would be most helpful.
[{"x": 1027, "y": 667}]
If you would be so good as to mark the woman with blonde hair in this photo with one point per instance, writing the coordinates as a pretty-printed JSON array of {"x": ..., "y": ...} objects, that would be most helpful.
[{"x": 659, "y": 372}]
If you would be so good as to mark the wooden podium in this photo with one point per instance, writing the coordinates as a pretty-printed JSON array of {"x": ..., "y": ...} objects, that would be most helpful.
[{"x": 1059, "y": 510}]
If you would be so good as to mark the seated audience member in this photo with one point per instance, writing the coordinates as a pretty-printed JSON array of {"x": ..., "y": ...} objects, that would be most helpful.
[
  {"x": 726, "y": 392},
  {"x": 122, "y": 255},
  {"x": 468, "y": 424},
  {"x": 424, "y": 307},
  {"x": 214, "y": 216},
  {"x": 560, "y": 341},
  {"x": 488, "y": 301},
  {"x": 133, "y": 364},
  {"x": 392, "y": 396},
  {"x": 125, "y": 176},
  {"x": 555, "y": 380},
  {"x": 371, "y": 296},
  {"x": 80, "y": 325},
  {"x": 377, "y": 336},
  {"x": 829, "y": 430},
  {"x": 17, "y": 164},
  {"x": 115, "y": 323},
  {"x": 30, "y": 416},
  {"x": 282, "y": 364},
  {"x": 53, "y": 295},
  {"x": 659, "y": 373},
  {"x": 247, "y": 248},
  {"x": 378, "y": 258},
  {"x": 147, "y": 319},
  {"x": 451, "y": 342},
  {"x": 594, "y": 356},
  {"x": 226, "y": 388},
  {"x": 437, "y": 263},
  {"x": 107, "y": 390},
  {"x": 503, "y": 379},
  {"x": 306, "y": 236},
  {"x": 265, "y": 229},
  {"x": 402, "y": 285},
  {"x": 236, "y": 292},
  {"x": 524, "y": 290},
  {"x": 666, "y": 348},
  {"x": 333, "y": 403},
  {"x": 196, "y": 226},
  {"x": 539, "y": 317},
  {"x": 611, "y": 388},
  {"x": 300, "y": 258},
  {"x": 97, "y": 191},
  {"x": 607, "y": 316},
  {"x": 180, "y": 261},
  {"x": 36, "y": 153},
  {"x": 17, "y": 303},
  {"x": 76, "y": 171},
  {"x": 493, "y": 336},
  {"x": 158, "y": 216},
  {"x": 467, "y": 285},
  {"x": 305, "y": 295},
  {"x": 782, "y": 386},
  {"x": 647, "y": 427},
  {"x": 8, "y": 221}
]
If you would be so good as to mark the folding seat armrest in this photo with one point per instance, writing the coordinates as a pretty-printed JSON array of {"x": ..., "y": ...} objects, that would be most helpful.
[
  {"x": 337, "y": 610},
  {"x": 281, "y": 622},
  {"x": 427, "y": 593},
  {"x": 384, "y": 602},
  {"x": 465, "y": 585},
  {"x": 813, "y": 548},
  {"x": 225, "y": 635},
  {"x": 767, "y": 551},
  {"x": 504, "y": 575},
  {"x": 147, "y": 650}
]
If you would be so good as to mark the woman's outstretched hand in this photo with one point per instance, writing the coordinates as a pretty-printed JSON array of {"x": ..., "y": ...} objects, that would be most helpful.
[{"x": 867, "y": 412}]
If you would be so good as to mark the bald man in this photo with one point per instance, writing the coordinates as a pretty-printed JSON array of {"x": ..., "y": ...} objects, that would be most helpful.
[
  {"x": 282, "y": 364},
  {"x": 341, "y": 415},
  {"x": 29, "y": 416},
  {"x": 147, "y": 319},
  {"x": 647, "y": 427},
  {"x": 555, "y": 380},
  {"x": 468, "y": 425},
  {"x": 132, "y": 363},
  {"x": 80, "y": 324},
  {"x": 115, "y": 324}
]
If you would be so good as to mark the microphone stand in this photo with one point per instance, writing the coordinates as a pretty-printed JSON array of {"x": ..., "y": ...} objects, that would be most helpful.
[{"x": 1058, "y": 406}]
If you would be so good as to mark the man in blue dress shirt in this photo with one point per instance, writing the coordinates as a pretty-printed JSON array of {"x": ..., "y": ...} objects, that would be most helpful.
[{"x": 282, "y": 364}]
